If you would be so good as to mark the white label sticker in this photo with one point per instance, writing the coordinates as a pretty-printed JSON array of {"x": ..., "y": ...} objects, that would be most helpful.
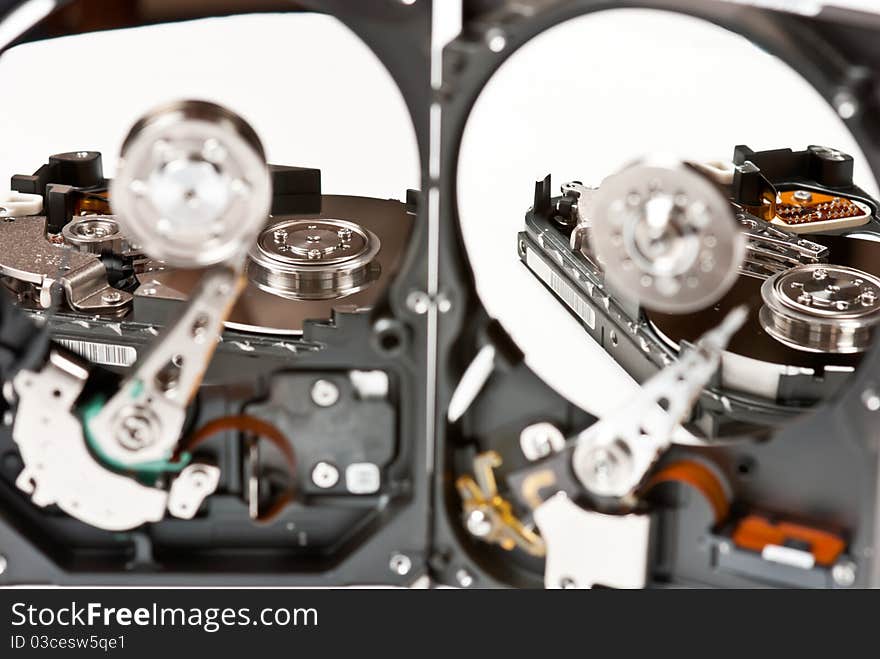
[
  {"x": 107, "y": 354},
  {"x": 562, "y": 288},
  {"x": 362, "y": 478}
]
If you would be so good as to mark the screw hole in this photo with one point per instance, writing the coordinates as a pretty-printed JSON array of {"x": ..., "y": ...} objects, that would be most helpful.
[
  {"x": 389, "y": 341},
  {"x": 390, "y": 337},
  {"x": 745, "y": 466}
]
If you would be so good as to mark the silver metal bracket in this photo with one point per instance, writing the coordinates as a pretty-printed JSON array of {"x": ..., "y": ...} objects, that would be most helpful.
[
  {"x": 59, "y": 468},
  {"x": 190, "y": 488},
  {"x": 587, "y": 548},
  {"x": 29, "y": 257},
  {"x": 580, "y": 233}
]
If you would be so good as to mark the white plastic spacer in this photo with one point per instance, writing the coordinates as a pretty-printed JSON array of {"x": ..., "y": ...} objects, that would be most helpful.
[{"x": 19, "y": 204}]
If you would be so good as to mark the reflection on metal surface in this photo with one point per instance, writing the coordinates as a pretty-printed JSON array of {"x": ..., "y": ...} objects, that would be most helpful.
[
  {"x": 95, "y": 234},
  {"x": 314, "y": 259},
  {"x": 192, "y": 187},
  {"x": 822, "y": 308},
  {"x": 666, "y": 235},
  {"x": 261, "y": 311}
]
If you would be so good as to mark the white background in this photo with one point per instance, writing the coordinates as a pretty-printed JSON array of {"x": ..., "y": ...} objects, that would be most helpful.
[
  {"x": 316, "y": 95},
  {"x": 584, "y": 99}
]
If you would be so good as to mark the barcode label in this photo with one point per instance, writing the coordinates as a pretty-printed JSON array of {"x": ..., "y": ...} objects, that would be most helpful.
[
  {"x": 562, "y": 288},
  {"x": 107, "y": 354}
]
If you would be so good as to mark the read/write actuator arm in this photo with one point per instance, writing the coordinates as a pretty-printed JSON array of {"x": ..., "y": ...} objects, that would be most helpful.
[
  {"x": 611, "y": 461},
  {"x": 193, "y": 190}
]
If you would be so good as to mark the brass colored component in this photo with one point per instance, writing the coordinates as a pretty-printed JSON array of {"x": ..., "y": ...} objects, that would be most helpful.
[
  {"x": 533, "y": 484},
  {"x": 91, "y": 203},
  {"x": 767, "y": 210},
  {"x": 480, "y": 499}
]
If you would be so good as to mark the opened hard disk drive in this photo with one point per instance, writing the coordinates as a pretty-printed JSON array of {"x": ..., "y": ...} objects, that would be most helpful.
[{"x": 566, "y": 294}]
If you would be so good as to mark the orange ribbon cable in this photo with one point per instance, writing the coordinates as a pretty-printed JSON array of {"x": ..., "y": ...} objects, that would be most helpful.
[
  {"x": 699, "y": 477},
  {"x": 262, "y": 430}
]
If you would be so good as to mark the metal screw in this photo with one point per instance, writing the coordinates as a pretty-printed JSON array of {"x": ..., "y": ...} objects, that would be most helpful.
[
  {"x": 844, "y": 574},
  {"x": 846, "y": 104},
  {"x": 871, "y": 400},
  {"x": 135, "y": 432},
  {"x": 496, "y": 40},
  {"x": 724, "y": 547},
  {"x": 464, "y": 578},
  {"x": 3, "y": 564},
  {"x": 213, "y": 151},
  {"x": 603, "y": 465},
  {"x": 8, "y": 390},
  {"x": 325, "y": 475},
  {"x": 444, "y": 304},
  {"x": 324, "y": 393},
  {"x": 111, "y": 297},
  {"x": 803, "y": 195},
  {"x": 200, "y": 327},
  {"x": 400, "y": 564},
  {"x": 198, "y": 477},
  {"x": 540, "y": 440},
  {"x": 478, "y": 523},
  {"x": 419, "y": 302},
  {"x": 138, "y": 188},
  {"x": 606, "y": 468}
]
